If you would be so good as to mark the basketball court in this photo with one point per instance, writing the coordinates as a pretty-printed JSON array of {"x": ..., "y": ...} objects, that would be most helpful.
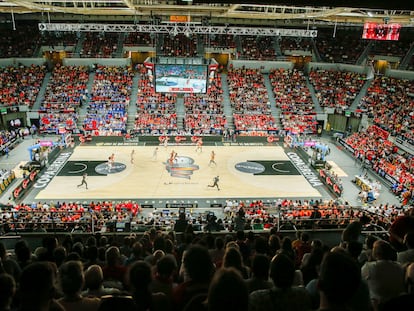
[{"x": 244, "y": 171}]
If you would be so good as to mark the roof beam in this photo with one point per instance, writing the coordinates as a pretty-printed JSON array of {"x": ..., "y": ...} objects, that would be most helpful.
[{"x": 221, "y": 13}]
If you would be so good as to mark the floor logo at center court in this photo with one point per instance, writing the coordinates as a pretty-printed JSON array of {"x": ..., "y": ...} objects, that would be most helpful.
[{"x": 181, "y": 166}]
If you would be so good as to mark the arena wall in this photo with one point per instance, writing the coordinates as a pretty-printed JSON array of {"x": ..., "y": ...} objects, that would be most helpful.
[
  {"x": 266, "y": 66},
  {"x": 4, "y": 62},
  {"x": 100, "y": 61}
]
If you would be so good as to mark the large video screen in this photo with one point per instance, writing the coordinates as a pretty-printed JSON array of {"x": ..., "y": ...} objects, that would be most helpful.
[
  {"x": 376, "y": 31},
  {"x": 180, "y": 78}
]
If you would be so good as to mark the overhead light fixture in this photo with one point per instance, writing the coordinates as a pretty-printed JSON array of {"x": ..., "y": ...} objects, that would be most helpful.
[{"x": 370, "y": 14}]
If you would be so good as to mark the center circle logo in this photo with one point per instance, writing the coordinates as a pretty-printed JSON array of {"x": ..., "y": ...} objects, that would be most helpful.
[
  {"x": 250, "y": 167},
  {"x": 181, "y": 166},
  {"x": 105, "y": 168}
]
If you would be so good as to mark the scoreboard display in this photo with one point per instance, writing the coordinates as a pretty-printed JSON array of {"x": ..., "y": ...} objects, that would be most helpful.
[
  {"x": 180, "y": 78},
  {"x": 375, "y": 31}
]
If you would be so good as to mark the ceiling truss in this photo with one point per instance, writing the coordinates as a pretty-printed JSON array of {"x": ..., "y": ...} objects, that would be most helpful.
[{"x": 175, "y": 29}]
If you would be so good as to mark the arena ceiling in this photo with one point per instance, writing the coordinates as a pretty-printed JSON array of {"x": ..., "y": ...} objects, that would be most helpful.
[{"x": 215, "y": 13}]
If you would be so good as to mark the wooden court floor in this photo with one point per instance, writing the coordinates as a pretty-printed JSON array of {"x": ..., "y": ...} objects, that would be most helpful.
[{"x": 149, "y": 177}]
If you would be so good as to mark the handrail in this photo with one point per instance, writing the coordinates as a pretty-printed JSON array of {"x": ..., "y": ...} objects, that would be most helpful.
[{"x": 280, "y": 217}]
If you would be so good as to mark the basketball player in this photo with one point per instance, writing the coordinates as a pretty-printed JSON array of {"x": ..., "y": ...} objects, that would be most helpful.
[
  {"x": 84, "y": 181},
  {"x": 166, "y": 142},
  {"x": 199, "y": 145},
  {"x": 132, "y": 156},
  {"x": 109, "y": 164},
  {"x": 212, "y": 159},
  {"x": 173, "y": 157},
  {"x": 215, "y": 183}
]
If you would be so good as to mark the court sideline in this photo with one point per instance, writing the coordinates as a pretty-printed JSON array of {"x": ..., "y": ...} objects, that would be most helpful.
[{"x": 149, "y": 179}]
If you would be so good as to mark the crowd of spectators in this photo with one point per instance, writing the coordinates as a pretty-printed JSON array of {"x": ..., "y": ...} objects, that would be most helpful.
[
  {"x": 106, "y": 216},
  {"x": 257, "y": 48},
  {"x": 69, "y": 216},
  {"x": 156, "y": 112},
  {"x": 204, "y": 112},
  {"x": 99, "y": 45},
  {"x": 389, "y": 48},
  {"x": 61, "y": 39},
  {"x": 236, "y": 215},
  {"x": 288, "y": 214},
  {"x": 179, "y": 45},
  {"x": 161, "y": 270},
  {"x": 251, "y": 112},
  {"x": 65, "y": 93},
  {"x": 7, "y": 136},
  {"x": 107, "y": 112},
  {"x": 138, "y": 38},
  {"x": 21, "y": 42},
  {"x": 20, "y": 85},
  {"x": 338, "y": 46},
  {"x": 372, "y": 146},
  {"x": 390, "y": 102},
  {"x": 344, "y": 47},
  {"x": 299, "y": 123},
  {"x": 9, "y": 139},
  {"x": 249, "y": 101},
  {"x": 291, "y": 44},
  {"x": 219, "y": 41},
  {"x": 336, "y": 89},
  {"x": 293, "y": 98}
]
